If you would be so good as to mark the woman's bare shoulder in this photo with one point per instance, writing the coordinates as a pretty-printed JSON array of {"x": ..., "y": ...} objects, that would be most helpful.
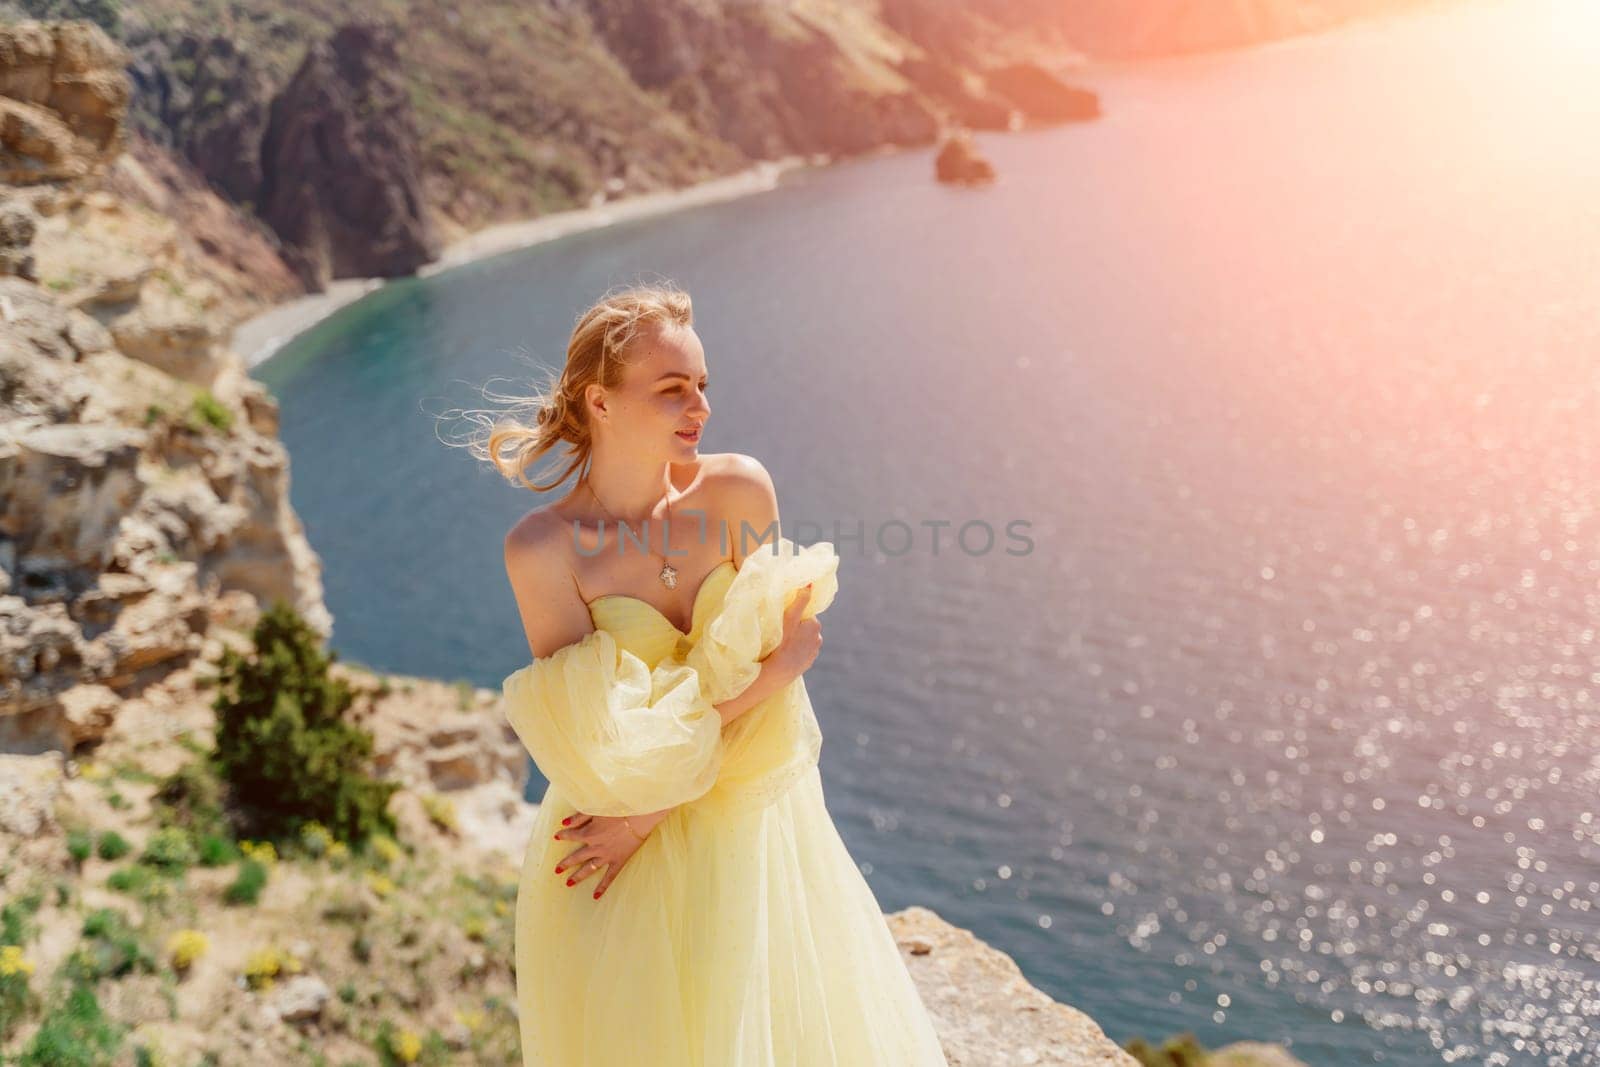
[
  {"x": 534, "y": 531},
  {"x": 746, "y": 500},
  {"x": 736, "y": 472},
  {"x": 539, "y": 567},
  {"x": 534, "y": 549}
]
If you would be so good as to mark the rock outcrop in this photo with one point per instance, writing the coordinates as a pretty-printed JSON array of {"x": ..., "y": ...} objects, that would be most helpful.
[
  {"x": 338, "y": 159},
  {"x": 143, "y": 490},
  {"x": 986, "y": 1011},
  {"x": 63, "y": 99},
  {"x": 326, "y": 160}
]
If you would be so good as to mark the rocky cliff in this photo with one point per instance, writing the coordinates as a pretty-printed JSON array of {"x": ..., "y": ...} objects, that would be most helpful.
[{"x": 143, "y": 490}]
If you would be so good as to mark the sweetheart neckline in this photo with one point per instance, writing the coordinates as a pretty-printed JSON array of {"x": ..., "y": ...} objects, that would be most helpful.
[{"x": 694, "y": 607}]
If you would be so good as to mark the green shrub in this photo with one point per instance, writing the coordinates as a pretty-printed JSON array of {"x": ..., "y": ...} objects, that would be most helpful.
[
  {"x": 80, "y": 845},
  {"x": 113, "y": 846},
  {"x": 169, "y": 850},
  {"x": 128, "y": 879},
  {"x": 216, "y": 850},
  {"x": 206, "y": 410},
  {"x": 246, "y": 888},
  {"x": 140, "y": 881},
  {"x": 110, "y": 949},
  {"x": 77, "y": 1034},
  {"x": 283, "y": 744},
  {"x": 16, "y": 917}
]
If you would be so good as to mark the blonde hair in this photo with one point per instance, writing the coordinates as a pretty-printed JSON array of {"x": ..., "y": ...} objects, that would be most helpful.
[{"x": 516, "y": 436}]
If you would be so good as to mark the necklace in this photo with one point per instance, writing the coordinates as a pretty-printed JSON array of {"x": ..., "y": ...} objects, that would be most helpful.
[{"x": 668, "y": 573}]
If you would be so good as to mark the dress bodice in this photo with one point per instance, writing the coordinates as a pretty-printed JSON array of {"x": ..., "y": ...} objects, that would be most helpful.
[
  {"x": 642, "y": 629},
  {"x": 625, "y": 718}
]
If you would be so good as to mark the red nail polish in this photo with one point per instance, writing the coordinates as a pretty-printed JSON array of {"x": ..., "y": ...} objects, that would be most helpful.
[
  {"x": 567, "y": 821},
  {"x": 597, "y": 896},
  {"x": 569, "y": 881},
  {"x": 560, "y": 869}
]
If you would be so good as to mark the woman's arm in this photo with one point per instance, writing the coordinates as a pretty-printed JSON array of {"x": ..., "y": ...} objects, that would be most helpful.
[{"x": 775, "y": 674}]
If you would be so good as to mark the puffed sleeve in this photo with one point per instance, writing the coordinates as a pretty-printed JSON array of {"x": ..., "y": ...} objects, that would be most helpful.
[
  {"x": 614, "y": 737},
  {"x": 772, "y": 745}
]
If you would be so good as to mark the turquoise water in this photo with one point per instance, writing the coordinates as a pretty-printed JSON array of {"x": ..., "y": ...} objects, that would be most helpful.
[{"x": 1286, "y": 728}]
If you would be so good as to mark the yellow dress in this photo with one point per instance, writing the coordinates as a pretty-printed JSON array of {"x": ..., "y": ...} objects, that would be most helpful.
[{"x": 741, "y": 933}]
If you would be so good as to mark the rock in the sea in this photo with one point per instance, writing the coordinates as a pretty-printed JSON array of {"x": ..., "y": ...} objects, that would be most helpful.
[{"x": 959, "y": 163}]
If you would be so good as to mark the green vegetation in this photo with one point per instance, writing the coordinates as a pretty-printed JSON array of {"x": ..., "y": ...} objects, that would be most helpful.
[
  {"x": 246, "y": 888},
  {"x": 289, "y": 774},
  {"x": 1182, "y": 1050},
  {"x": 206, "y": 410},
  {"x": 111, "y": 948},
  {"x": 170, "y": 851},
  {"x": 76, "y": 1034},
  {"x": 80, "y": 845},
  {"x": 113, "y": 846},
  {"x": 283, "y": 743},
  {"x": 107, "y": 14}
]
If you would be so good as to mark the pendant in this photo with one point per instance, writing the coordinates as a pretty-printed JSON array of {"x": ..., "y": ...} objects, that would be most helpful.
[{"x": 669, "y": 576}]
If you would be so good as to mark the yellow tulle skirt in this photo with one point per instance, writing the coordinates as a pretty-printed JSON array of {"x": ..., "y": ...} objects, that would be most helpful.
[{"x": 743, "y": 940}]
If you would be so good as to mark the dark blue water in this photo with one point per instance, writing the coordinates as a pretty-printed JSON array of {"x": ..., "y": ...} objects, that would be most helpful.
[{"x": 1286, "y": 727}]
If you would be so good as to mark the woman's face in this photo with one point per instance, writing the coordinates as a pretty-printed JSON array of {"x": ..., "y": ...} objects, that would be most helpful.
[{"x": 660, "y": 406}]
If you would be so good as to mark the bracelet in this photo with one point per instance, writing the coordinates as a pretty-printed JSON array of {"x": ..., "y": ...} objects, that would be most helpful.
[{"x": 631, "y": 830}]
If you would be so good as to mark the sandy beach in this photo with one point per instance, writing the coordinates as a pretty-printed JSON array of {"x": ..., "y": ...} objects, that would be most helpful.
[{"x": 257, "y": 338}]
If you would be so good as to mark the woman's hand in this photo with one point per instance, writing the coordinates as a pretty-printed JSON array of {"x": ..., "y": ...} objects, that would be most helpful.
[
  {"x": 607, "y": 842},
  {"x": 802, "y": 640}
]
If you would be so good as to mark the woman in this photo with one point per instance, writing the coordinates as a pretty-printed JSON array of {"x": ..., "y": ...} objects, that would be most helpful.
[{"x": 686, "y": 900}]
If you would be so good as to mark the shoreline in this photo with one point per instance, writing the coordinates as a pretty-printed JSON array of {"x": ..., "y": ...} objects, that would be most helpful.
[{"x": 259, "y": 337}]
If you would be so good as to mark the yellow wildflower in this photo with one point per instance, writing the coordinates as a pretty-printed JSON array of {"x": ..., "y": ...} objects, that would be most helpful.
[
  {"x": 186, "y": 946},
  {"x": 262, "y": 852},
  {"x": 407, "y": 1046},
  {"x": 13, "y": 962},
  {"x": 262, "y": 967}
]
